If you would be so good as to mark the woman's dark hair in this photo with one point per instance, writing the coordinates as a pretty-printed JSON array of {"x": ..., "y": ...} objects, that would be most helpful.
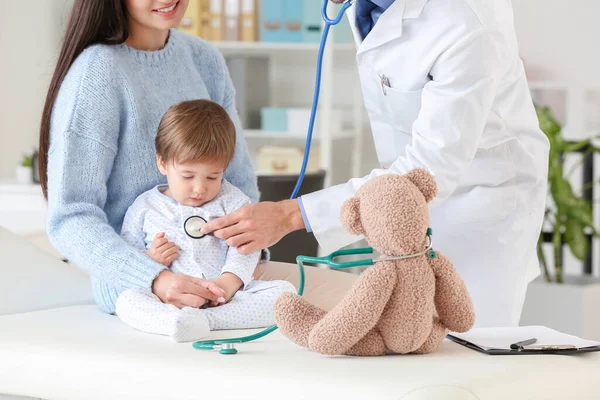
[{"x": 91, "y": 22}]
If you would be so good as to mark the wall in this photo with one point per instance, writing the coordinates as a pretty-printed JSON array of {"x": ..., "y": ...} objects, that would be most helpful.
[
  {"x": 558, "y": 39},
  {"x": 30, "y": 33}
]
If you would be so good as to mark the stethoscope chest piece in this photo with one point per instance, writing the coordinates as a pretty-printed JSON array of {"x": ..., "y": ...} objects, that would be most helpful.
[
  {"x": 228, "y": 348},
  {"x": 192, "y": 226}
]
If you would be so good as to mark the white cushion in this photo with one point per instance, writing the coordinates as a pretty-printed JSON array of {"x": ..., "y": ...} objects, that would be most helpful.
[
  {"x": 31, "y": 279},
  {"x": 81, "y": 353}
]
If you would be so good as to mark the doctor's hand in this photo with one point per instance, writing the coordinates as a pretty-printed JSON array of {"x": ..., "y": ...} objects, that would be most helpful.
[
  {"x": 257, "y": 226},
  {"x": 162, "y": 251},
  {"x": 186, "y": 291}
]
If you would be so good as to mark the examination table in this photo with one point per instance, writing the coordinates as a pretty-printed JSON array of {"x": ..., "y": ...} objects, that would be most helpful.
[{"x": 55, "y": 344}]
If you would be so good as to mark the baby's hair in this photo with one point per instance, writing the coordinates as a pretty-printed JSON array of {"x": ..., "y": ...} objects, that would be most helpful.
[{"x": 194, "y": 131}]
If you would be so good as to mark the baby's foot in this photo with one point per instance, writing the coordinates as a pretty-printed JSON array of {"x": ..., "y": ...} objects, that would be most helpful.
[{"x": 190, "y": 326}]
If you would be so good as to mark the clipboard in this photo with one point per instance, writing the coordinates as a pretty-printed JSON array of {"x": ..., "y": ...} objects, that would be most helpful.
[{"x": 497, "y": 341}]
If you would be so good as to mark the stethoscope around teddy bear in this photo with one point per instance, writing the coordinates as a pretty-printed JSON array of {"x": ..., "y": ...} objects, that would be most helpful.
[{"x": 227, "y": 346}]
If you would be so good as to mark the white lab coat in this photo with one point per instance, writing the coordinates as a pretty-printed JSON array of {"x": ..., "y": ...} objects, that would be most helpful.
[{"x": 458, "y": 105}]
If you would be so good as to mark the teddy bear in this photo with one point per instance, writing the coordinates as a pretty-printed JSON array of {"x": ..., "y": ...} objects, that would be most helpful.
[{"x": 398, "y": 306}]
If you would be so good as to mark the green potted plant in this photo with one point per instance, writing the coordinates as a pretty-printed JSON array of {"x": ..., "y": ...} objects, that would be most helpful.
[
  {"x": 572, "y": 217},
  {"x": 566, "y": 303},
  {"x": 24, "y": 171}
]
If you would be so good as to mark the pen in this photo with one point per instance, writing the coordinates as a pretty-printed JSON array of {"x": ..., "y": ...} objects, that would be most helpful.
[{"x": 519, "y": 345}]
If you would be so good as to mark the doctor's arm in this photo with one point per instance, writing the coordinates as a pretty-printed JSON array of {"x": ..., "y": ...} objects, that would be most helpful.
[{"x": 455, "y": 105}]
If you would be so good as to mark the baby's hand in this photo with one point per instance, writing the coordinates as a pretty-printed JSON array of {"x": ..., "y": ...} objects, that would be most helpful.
[
  {"x": 162, "y": 251},
  {"x": 229, "y": 284}
]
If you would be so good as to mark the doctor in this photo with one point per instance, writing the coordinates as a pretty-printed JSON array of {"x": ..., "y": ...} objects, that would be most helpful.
[{"x": 444, "y": 89}]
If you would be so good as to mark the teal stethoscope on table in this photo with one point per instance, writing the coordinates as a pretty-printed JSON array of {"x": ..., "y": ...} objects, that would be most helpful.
[{"x": 192, "y": 226}]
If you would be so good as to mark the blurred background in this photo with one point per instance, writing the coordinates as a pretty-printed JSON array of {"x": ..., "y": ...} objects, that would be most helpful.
[{"x": 273, "y": 69}]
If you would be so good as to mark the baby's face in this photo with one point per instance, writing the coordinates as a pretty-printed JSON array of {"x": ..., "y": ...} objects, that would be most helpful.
[{"x": 192, "y": 184}]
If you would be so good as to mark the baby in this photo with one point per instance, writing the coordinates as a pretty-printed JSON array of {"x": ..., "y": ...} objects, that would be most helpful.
[{"x": 194, "y": 145}]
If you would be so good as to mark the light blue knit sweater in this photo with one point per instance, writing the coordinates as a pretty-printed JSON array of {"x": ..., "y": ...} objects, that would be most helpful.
[{"x": 102, "y": 153}]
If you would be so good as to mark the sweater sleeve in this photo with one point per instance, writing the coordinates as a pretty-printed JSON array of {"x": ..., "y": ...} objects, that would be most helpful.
[
  {"x": 83, "y": 144},
  {"x": 240, "y": 172}
]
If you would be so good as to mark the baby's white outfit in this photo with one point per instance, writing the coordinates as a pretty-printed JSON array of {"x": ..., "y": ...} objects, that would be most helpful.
[{"x": 207, "y": 258}]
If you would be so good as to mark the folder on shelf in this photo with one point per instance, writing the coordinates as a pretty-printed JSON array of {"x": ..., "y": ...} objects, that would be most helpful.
[
  {"x": 205, "y": 29},
  {"x": 312, "y": 28},
  {"x": 196, "y": 19},
  {"x": 271, "y": 21},
  {"x": 248, "y": 21},
  {"x": 505, "y": 341},
  {"x": 190, "y": 22},
  {"x": 216, "y": 20},
  {"x": 232, "y": 19},
  {"x": 293, "y": 11}
]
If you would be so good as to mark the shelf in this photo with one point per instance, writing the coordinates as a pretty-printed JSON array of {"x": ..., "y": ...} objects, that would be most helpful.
[
  {"x": 266, "y": 48},
  {"x": 260, "y": 134},
  {"x": 12, "y": 187}
]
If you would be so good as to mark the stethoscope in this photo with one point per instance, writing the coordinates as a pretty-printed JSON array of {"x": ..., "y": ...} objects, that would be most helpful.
[{"x": 193, "y": 224}]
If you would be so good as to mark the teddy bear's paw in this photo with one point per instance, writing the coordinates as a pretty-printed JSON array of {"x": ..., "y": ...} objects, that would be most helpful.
[
  {"x": 436, "y": 337},
  {"x": 296, "y": 317},
  {"x": 371, "y": 345}
]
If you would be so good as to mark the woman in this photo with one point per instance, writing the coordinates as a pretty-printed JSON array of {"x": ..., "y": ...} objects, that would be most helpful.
[
  {"x": 445, "y": 90},
  {"x": 121, "y": 66}
]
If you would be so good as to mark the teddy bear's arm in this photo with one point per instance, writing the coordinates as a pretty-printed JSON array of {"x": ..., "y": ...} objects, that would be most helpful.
[
  {"x": 357, "y": 313},
  {"x": 452, "y": 300}
]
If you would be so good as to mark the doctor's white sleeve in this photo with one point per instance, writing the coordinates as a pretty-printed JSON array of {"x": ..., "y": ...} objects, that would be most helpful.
[{"x": 455, "y": 105}]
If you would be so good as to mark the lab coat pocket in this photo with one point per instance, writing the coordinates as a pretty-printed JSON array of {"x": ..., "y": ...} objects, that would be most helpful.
[{"x": 402, "y": 107}]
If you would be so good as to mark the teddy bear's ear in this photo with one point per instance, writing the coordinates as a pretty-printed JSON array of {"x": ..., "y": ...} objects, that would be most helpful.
[
  {"x": 424, "y": 181},
  {"x": 350, "y": 216}
]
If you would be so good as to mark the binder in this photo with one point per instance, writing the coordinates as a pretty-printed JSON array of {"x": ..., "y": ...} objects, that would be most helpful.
[
  {"x": 248, "y": 21},
  {"x": 293, "y": 11},
  {"x": 205, "y": 29},
  {"x": 231, "y": 21},
  {"x": 190, "y": 22},
  {"x": 216, "y": 20},
  {"x": 312, "y": 28},
  {"x": 498, "y": 341},
  {"x": 271, "y": 21}
]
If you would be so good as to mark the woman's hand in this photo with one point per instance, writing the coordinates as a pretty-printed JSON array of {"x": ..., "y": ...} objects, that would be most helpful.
[
  {"x": 257, "y": 226},
  {"x": 162, "y": 251},
  {"x": 186, "y": 291}
]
